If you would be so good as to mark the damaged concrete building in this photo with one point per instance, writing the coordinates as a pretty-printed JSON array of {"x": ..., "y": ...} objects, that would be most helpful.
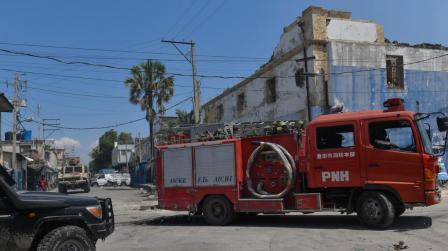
[{"x": 345, "y": 61}]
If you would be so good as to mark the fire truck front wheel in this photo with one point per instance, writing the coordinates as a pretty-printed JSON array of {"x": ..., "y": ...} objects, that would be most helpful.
[
  {"x": 218, "y": 211},
  {"x": 375, "y": 210}
]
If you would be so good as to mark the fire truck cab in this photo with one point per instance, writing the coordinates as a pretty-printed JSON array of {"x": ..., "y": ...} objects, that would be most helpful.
[{"x": 374, "y": 163}]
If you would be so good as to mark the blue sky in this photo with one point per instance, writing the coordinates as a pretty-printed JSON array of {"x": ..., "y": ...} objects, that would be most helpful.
[{"x": 233, "y": 28}]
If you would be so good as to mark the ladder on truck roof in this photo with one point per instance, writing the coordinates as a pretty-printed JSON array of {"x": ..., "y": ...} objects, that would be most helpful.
[{"x": 211, "y": 132}]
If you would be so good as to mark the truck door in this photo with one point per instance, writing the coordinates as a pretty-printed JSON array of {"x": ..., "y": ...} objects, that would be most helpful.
[
  {"x": 392, "y": 157},
  {"x": 335, "y": 162}
]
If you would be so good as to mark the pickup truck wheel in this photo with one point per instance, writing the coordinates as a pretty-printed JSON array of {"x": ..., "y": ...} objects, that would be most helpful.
[
  {"x": 66, "y": 238},
  {"x": 217, "y": 211},
  {"x": 375, "y": 210}
]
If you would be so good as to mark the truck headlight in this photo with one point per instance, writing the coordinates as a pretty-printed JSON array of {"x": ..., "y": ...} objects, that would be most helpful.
[{"x": 96, "y": 211}]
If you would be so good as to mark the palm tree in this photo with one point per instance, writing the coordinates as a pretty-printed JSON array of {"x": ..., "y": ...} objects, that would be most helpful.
[
  {"x": 183, "y": 117},
  {"x": 150, "y": 88}
]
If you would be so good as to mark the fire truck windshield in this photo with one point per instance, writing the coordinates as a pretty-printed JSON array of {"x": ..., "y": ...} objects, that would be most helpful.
[{"x": 426, "y": 141}]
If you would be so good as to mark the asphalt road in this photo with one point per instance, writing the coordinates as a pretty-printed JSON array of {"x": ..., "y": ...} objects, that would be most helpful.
[{"x": 140, "y": 228}]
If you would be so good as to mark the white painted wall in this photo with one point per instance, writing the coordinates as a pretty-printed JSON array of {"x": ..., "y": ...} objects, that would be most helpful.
[
  {"x": 351, "y": 30},
  {"x": 288, "y": 40},
  {"x": 290, "y": 102},
  {"x": 374, "y": 56}
]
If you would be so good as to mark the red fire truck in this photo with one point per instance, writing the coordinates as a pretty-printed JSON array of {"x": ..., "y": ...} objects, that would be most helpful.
[{"x": 373, "y": 163}]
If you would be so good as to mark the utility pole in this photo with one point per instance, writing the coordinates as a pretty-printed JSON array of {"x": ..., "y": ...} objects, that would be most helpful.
[
  {"x": 14, "y": 123},
  {"x": 18, "y": 85},
  {"x": 139, "y": 148},
  {"x": 39, "y": 125},
  {"x": 307, "y": 74},
  {"x": 196, "y": 84}
]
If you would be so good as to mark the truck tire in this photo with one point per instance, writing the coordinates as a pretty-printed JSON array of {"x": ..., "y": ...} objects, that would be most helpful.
[
  {"x": 217, "y": 211},
  {"x": 375, "y": 210},
  {"x": 62, "y": 189},
  {"x": 86, "y": 188},
  {"x": 66, "y": 238},
  {"x": 399, "y": 210}
]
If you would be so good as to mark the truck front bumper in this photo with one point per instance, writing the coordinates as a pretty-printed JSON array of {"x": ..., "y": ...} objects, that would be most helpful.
[
  {"x": 73, "y": 184},
  {"x": 102, "y": 230},
  {"x": 107, "y": 225}
]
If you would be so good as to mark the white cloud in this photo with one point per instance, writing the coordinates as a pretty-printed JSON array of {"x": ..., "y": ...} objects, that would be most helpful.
[{"x": 66, "y": 142}]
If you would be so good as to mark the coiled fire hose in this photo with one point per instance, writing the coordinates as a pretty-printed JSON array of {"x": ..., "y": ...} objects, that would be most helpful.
[{"x": 288, "y": 163}]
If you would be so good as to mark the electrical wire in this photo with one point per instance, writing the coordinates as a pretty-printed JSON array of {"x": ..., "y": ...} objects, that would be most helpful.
[
  {"x": 124, "y": 51},
  {"x": 110, "y": 126},
  {"x": 209, "y": 76}
]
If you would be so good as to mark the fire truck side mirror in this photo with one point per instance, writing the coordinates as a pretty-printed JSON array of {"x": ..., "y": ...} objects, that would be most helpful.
[{"x": 442, "y": 123}]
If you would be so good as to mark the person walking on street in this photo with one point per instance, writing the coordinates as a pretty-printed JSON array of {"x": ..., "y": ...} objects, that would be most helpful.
[{"x": 43, "y": 184}]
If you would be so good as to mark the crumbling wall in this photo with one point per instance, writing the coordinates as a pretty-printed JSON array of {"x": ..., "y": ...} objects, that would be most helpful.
[
  {"x": 320, "y": 26},
  {"x": 290, "y": 101},
  {"x": 358, "y": 76}
]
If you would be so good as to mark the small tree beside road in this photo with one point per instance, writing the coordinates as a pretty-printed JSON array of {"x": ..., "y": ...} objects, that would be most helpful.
[{"x": 151, "y": 88}]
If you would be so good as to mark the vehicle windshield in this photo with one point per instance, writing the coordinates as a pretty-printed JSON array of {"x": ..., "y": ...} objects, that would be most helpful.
[
  {"x": 68, "y": 169},
  {"x": 426, "y": 141}
]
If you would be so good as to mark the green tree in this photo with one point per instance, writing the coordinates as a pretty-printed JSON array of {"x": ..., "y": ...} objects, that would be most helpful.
[
  {"x": 183, "y": 117},
  {"x": 150, "y": 87},
  {"x": 125, "y": 138},
  {"x": 102, "y": 154}
]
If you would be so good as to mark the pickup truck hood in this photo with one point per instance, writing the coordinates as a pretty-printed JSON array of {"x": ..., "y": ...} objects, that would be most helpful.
[{"x": 43, "y": 200}]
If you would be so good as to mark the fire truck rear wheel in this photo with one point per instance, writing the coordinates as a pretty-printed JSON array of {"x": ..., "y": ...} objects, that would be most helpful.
[
  {"x": 217, "y": 211},
  {"x": 375, "y": 210},
  {"x": 399, "y": 209}
]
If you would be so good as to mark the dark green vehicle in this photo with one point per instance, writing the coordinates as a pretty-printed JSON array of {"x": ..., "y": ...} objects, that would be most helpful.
[{"x": 46, "y": 221}]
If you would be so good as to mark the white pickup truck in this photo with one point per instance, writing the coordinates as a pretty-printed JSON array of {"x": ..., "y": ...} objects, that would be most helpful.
[{"x": 115, "y": 179}]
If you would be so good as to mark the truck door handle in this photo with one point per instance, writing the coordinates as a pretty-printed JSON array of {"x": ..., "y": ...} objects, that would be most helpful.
[{"x": 373, "y": 165}]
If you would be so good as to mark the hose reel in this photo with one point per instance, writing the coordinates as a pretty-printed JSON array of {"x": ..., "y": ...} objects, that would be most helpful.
[{"x": 288, "y": 164}]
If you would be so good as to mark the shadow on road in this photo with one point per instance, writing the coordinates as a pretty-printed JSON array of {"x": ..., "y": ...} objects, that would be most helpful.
[
  {"x": 76, "y": 192},
  {"x": 402, "y": 224},
  {"x": 117, "y": 188}
]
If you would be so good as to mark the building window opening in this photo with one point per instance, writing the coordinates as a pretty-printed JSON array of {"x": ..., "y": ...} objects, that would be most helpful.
[
  {"x": 241, "y": 102},
  {"x": 219, "y": 112},
  {"x": 271, "y": 90},
  {"x": 395, "y": 72},
  {"x": 300, "y": 77}
]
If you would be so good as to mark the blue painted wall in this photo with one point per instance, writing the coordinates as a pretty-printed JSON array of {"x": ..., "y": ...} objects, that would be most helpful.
[{"x": 366, "y": 89}]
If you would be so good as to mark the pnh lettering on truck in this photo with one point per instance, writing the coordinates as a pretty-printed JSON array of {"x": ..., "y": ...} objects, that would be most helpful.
[{"x": 335, "y": 176}]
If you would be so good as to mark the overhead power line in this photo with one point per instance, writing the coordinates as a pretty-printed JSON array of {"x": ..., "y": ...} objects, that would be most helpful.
[
  {"x": 122, "y": 51},
  {"x": 111, "y": 126},
  {"x": 198, "y": 75}
]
